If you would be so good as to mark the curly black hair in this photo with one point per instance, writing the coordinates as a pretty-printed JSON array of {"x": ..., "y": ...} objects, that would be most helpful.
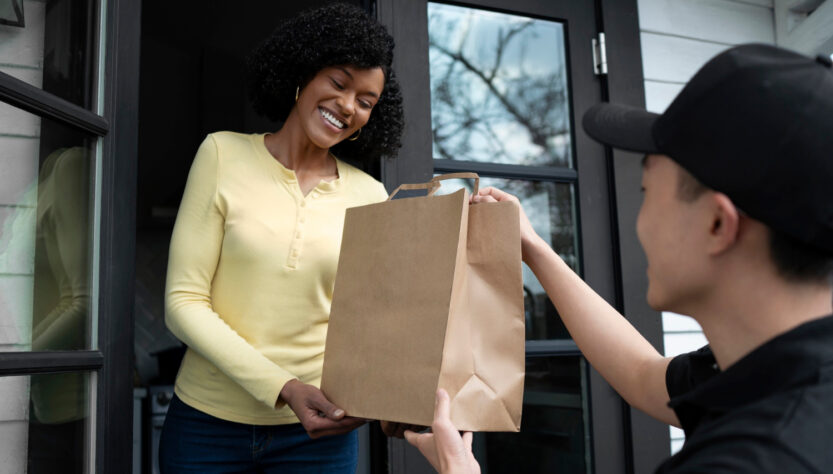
[{"x": 336, "y": 34}]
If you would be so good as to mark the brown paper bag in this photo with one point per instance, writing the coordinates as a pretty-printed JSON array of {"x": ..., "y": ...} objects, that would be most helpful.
[{"x": 429, "y": 295}]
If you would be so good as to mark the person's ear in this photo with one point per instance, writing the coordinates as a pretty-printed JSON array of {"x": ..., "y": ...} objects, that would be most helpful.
[{"x": 725, "y": 223}]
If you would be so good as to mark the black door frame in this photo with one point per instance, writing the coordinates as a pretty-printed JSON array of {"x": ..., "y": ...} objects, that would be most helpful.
[
  {"x": 648, "y": 438},
  {"x": 623, "y": 439},
  {"x": 114, "y": 425}
]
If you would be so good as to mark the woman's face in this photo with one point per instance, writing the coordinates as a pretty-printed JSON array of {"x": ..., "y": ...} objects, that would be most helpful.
[{"x": 337, "y": 102}]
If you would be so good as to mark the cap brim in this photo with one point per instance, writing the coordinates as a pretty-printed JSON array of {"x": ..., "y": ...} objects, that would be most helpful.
[{"x": 622, "y": 126}]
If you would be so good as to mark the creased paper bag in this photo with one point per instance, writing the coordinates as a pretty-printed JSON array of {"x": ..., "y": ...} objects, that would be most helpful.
[{"x": 428, "y": 295}]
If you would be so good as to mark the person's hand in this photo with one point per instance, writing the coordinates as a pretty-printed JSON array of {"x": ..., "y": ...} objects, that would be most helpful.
[
  {"x": 317, "y": 414},
  {"x": 490, "y": 194},
  {"x": 397, "y": 430},
  {"x": 444, "y": 448}
]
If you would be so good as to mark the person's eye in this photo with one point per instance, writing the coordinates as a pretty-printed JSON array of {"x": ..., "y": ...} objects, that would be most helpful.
[
  {"x": 642, "y": 189},
  {"x": 365, "y": 105},
  {"x": 337, "y": 84}
]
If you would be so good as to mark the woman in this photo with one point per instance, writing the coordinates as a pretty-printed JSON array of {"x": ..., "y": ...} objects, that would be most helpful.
[{"x": 255, "y": 248}]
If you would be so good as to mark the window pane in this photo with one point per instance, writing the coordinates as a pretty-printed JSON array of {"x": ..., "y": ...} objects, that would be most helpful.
[
  {"x": 56, "y": 50},
  {"x": 45, "y": 183},
  {"x": 554, "y": 428},
  {"x": 498, "y": 87},
  {"x": 551, "y": 210},
  {"x": 44, "y": 423}
]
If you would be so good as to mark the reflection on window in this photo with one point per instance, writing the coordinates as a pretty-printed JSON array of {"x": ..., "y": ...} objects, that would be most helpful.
[
  {"x": 498, "y": 87},
  {"x": 554, "y": 429},
  {"x": 551, "y": 210},
  {"x": 54, "y": 49},
  {"x": 44, "y": 234},
  {"x": 44, "y": 423}
]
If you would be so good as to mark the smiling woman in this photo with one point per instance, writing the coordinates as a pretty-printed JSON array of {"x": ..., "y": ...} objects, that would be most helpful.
[
  {"x": 336, "y": 104},
  {"x": 303, "y": 48},
  {"x": 255, "y": 248}
]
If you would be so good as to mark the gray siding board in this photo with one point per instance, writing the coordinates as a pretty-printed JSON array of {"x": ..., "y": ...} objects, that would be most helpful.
[{"x": 714, "y": 20}]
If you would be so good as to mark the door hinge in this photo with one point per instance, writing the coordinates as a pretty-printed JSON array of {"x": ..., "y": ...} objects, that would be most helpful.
[{"x": 600, "y": 55}]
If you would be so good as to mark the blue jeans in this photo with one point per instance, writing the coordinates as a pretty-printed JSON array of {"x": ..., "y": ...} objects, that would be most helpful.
[{"x": 195, "y": 442}]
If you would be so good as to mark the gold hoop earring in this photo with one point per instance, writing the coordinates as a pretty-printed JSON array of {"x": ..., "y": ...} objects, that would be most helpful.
[
  {"x": 356, "y": 136},
  {"x": 297, "y": 92}
]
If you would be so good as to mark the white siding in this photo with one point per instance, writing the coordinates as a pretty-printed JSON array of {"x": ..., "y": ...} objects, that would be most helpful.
[{"x": 678, "y": 37}]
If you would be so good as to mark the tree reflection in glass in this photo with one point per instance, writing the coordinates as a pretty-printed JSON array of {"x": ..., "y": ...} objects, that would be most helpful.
[{"x": 498, "y": 88}]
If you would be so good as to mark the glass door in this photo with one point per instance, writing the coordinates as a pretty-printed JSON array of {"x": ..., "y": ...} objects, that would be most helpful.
[
  {"x": 499, "y": 88},
  {"x": 501, "y": 106}
]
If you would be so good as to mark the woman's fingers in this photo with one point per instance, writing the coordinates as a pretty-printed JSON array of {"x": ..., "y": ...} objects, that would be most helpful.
[
  {"x": 320, "y": 426},
  {"x": 388, "y": 427},
  {"x": 319, "y": 401},
  {"x": 319, "y": 416}
]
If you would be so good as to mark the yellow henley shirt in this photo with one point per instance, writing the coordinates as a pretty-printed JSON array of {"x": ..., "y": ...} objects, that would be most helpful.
[{"x": 250, "y": 276}]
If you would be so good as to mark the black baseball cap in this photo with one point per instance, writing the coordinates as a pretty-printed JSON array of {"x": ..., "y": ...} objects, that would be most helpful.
[{"x": 755, "y": 123}]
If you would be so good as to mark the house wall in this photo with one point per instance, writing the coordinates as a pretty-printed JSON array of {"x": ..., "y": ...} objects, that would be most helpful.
[
  {"x": 678, "y": 37},
  {"x": 21, "y": 56},
  {"x": 805, "y": 26}
]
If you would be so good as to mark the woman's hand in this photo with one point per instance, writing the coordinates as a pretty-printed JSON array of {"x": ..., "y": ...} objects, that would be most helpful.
[
  {"x": 528, "y": 235},
  {"x": 397, "y": 430},
  {"x": 444, "y": 448},
  {"x": 317, "y": 414}
]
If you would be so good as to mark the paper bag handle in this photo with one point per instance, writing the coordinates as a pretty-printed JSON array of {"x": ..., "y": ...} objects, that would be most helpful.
[
  {"x": 435, "y": 183},
  {"x": 430, "y": 186},
  {"x": 474, "y": 176}
]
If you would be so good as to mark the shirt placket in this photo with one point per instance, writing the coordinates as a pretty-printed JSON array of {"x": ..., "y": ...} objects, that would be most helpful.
[{"x": 302, "y": 216}]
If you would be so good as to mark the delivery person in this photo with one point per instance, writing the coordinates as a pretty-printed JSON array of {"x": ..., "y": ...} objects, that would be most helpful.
[{"x": 737, "y": 228}]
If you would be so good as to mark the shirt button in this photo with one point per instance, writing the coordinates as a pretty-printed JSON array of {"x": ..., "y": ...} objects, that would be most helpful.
[
  {"x": 302, "y": 219},
  {"x": 295, "y": 253},
  {"x": 298, "y": 235},
  {"x": 303, "y": 204}
]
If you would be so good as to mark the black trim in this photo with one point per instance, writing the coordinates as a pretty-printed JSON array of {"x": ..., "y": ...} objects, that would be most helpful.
[
  {"x": 25, "y": 96},
  {"x": 118, "y": 237},
  {"x": 18, "y": 11},
  {"x": 552, "y": 173},
  {"x": 409, "y": 19},
  {"x": 559, "y": 347},
  {"x": 648, "y": 439},
  {"x": 23, "y": 363}
]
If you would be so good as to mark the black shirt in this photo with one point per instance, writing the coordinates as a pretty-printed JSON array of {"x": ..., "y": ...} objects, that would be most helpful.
[{"x": 772, "y": 411}]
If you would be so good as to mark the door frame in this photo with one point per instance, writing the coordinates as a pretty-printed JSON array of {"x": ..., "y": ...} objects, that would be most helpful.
[{"x": 114, "y": 424}]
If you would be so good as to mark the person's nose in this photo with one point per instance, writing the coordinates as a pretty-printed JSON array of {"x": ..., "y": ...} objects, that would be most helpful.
[{"x": 347, "y": 104}]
